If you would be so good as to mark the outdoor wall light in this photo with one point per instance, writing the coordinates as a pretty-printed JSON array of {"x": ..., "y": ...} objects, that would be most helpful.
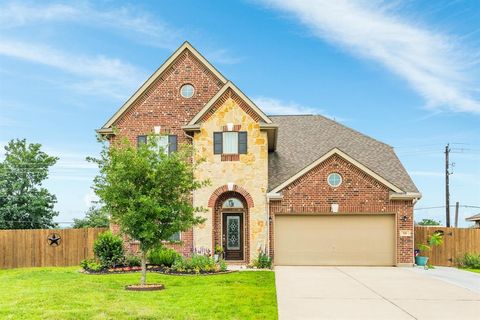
[
  {"x": 404, "y": 218},
  {"x": 156, "y": 129}
]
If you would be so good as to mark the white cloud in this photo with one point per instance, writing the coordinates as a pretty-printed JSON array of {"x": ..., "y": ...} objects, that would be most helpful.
[
  {"x": 97, "y": 74},
  {"x": 124, "y": 19},
  {"x": 274, "y": 106},
  {"x": 434, "y": 64},
  {"x": 89, "y": 198}
]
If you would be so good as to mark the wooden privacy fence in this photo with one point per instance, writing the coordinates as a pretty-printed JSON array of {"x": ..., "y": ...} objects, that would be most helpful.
[
  {"x": 41, "y": 247},
  {"x": 456, "y": 242}
]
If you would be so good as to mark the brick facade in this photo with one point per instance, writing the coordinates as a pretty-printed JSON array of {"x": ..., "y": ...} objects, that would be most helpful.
[
  {"x": 162, "y": 105},
  {"x": 358, "y": 193}
]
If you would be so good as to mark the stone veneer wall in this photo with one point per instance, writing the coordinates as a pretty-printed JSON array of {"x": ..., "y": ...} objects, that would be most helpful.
[
  {"x": 358, "y": 193},
  {"x": 249, "y": 172}
]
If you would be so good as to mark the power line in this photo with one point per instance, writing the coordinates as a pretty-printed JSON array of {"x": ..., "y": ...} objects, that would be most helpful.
[{"x": 441, "y": 207}]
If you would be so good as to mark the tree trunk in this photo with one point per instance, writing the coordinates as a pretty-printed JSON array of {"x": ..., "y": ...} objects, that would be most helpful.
[{"x": 143, "y": 278}]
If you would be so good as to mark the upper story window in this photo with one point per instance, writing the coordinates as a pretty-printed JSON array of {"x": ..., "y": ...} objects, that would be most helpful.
[
  {"x": 230, "y": 142},
  {"x": 187, "y": 91},
  {"x": 167, "y": 142},
  {"x": 334, "y": 179}
]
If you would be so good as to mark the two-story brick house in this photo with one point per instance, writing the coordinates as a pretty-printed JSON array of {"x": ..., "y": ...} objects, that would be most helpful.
[{"x": 305, "y": 189}]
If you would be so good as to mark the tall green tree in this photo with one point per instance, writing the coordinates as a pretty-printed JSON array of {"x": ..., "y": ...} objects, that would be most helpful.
[
  {"x": 148, "y": 192},
  {"x": 24, "y": 203},
  {"x": 96, "y": 217}
]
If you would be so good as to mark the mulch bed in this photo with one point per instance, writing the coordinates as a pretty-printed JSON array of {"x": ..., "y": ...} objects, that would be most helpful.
[
  {"x": 152, "y": 268},
  {"x": 145, "y": 287}
]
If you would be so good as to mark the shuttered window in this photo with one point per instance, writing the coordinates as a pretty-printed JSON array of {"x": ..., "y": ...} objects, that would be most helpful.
[
  {"x": 217, "y": 142},
  {"x": 141, "y": 140},
  {"x": 168, "y": 143},
  {"x": 231, "y": 142},
  {"x": 242, "y": 142}
]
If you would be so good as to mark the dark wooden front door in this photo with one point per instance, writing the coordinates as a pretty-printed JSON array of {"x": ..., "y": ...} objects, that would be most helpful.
[{"x": 232, "y": 235}]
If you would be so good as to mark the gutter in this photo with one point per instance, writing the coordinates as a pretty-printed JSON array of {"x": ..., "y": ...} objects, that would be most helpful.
[{"x": 405, "y": 196}]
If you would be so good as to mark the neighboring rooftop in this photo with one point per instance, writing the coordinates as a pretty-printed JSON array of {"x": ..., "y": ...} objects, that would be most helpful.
[
  {"x": 474, "y": 218},
  {"x": 303, "y": 139}
]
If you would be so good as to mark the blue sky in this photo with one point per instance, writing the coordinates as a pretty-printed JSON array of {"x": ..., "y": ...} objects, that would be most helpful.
[{"x": 404, "y": 72}]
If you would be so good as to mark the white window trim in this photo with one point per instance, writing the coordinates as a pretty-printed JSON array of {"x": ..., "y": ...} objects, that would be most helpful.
[
  {"x": 234, "y": 141},
  {"x": 339, "y": 183}
]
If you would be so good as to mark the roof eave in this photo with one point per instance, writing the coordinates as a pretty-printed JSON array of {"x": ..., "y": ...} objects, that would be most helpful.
[
  {"x": 185, "y": 46},
  {"x": 405, "y": 196}
]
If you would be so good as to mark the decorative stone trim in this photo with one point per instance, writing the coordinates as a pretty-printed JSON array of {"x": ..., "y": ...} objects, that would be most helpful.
[
  {"x": 230, "y": 157},
  {"x": 236, "y": 127},
  {"x": 230, "y": 94},
  {"x": 219, "y": 191}
]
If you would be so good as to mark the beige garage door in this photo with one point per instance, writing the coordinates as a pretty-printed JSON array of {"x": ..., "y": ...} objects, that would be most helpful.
[{"x": 344, "y": 240}]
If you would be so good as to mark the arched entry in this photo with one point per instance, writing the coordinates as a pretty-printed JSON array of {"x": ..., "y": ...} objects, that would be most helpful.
[{"x": 231, "y": 225}]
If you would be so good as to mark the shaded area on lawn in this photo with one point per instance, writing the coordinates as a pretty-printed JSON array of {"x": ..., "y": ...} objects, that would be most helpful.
[{"x": 63, "y": 293}]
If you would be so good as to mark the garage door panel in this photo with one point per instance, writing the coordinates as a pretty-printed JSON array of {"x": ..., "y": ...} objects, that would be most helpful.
[{"x": 335, "y": 240}]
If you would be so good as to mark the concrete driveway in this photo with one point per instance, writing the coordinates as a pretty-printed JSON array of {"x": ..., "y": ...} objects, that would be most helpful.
[{"x": 370, "y": 293}]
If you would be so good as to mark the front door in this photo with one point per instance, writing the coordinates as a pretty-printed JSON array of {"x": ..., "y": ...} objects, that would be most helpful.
[{"x": 233, "y": 236}]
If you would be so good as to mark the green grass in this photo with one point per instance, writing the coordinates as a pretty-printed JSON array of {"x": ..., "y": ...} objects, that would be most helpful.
[
  {"x": 472, "y": 270},
  {"x": 63, "y": 293}
]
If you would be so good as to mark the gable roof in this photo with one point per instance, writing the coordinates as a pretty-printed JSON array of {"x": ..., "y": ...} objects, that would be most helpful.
[
  {"x": 336, "y": 151},
  {"x": 304, "y": 139},
  {"x": 185, "y": 46},
  {"x": 215, "y": 98}
]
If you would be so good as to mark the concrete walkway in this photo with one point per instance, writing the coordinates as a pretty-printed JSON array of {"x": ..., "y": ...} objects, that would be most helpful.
[
  {"x": 370, "y": 293},
  {"x": 465, "y": 279}
]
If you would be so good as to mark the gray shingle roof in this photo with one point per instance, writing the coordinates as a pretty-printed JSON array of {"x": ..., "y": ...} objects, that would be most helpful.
[{"x": 305, "y": 138}]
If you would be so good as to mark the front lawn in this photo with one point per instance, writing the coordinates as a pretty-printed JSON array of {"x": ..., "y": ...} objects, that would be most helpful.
[{"x": 63, "y": 293}]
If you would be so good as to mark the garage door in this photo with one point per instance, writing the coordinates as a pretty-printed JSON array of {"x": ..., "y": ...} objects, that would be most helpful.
[{"x": 355, "y": 240}]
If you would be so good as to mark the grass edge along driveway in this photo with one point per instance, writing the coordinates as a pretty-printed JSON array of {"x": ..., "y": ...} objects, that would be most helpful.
[{"x": 64, "y": 293}]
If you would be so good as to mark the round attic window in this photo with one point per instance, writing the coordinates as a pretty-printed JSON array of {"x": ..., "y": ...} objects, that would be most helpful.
[
  {"x": 334, "y": 179},
  {"x": 187, "y": 91}
]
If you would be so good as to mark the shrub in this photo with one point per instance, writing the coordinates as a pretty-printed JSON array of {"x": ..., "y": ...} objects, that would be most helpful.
[
  {"x": 196, "y": 263},
  {"x": 109, "y": 250},
  {"x": 91, "y": 265},
  {"x": 469, "y": 260},
  {"x": 222, "y": 265},
  {"x": 163, "y": 257},
  {"x": 263, "y": 261},
  {"x": 133, "y": 261}
]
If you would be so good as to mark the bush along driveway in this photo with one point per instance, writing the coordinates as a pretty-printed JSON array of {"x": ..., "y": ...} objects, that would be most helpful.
[{"x": 64, "y": 293}]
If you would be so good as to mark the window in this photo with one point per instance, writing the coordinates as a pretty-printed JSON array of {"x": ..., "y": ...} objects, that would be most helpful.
[
  {"x": 187, "y": 91},
  {"x": 230, "y": 142},
  {"x": 167, "y": 142},
  {"x": 334, "y": 179},
  {"x": 175, "y": 237},
  {"x": 232, "y": 203}
]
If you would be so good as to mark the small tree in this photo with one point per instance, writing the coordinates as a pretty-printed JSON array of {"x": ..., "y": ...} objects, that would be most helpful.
[
  {"x": 96, "y": 217},
  {"x": 24, "y": 203},
  {"x": 428, "y": 222},
  {"x": 148, "y": 192}
]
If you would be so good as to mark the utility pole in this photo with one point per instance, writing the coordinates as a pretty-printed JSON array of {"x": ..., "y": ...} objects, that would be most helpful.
[
  {"x": 447, "y": 186},
  {"x": 457, "y": 205}
]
